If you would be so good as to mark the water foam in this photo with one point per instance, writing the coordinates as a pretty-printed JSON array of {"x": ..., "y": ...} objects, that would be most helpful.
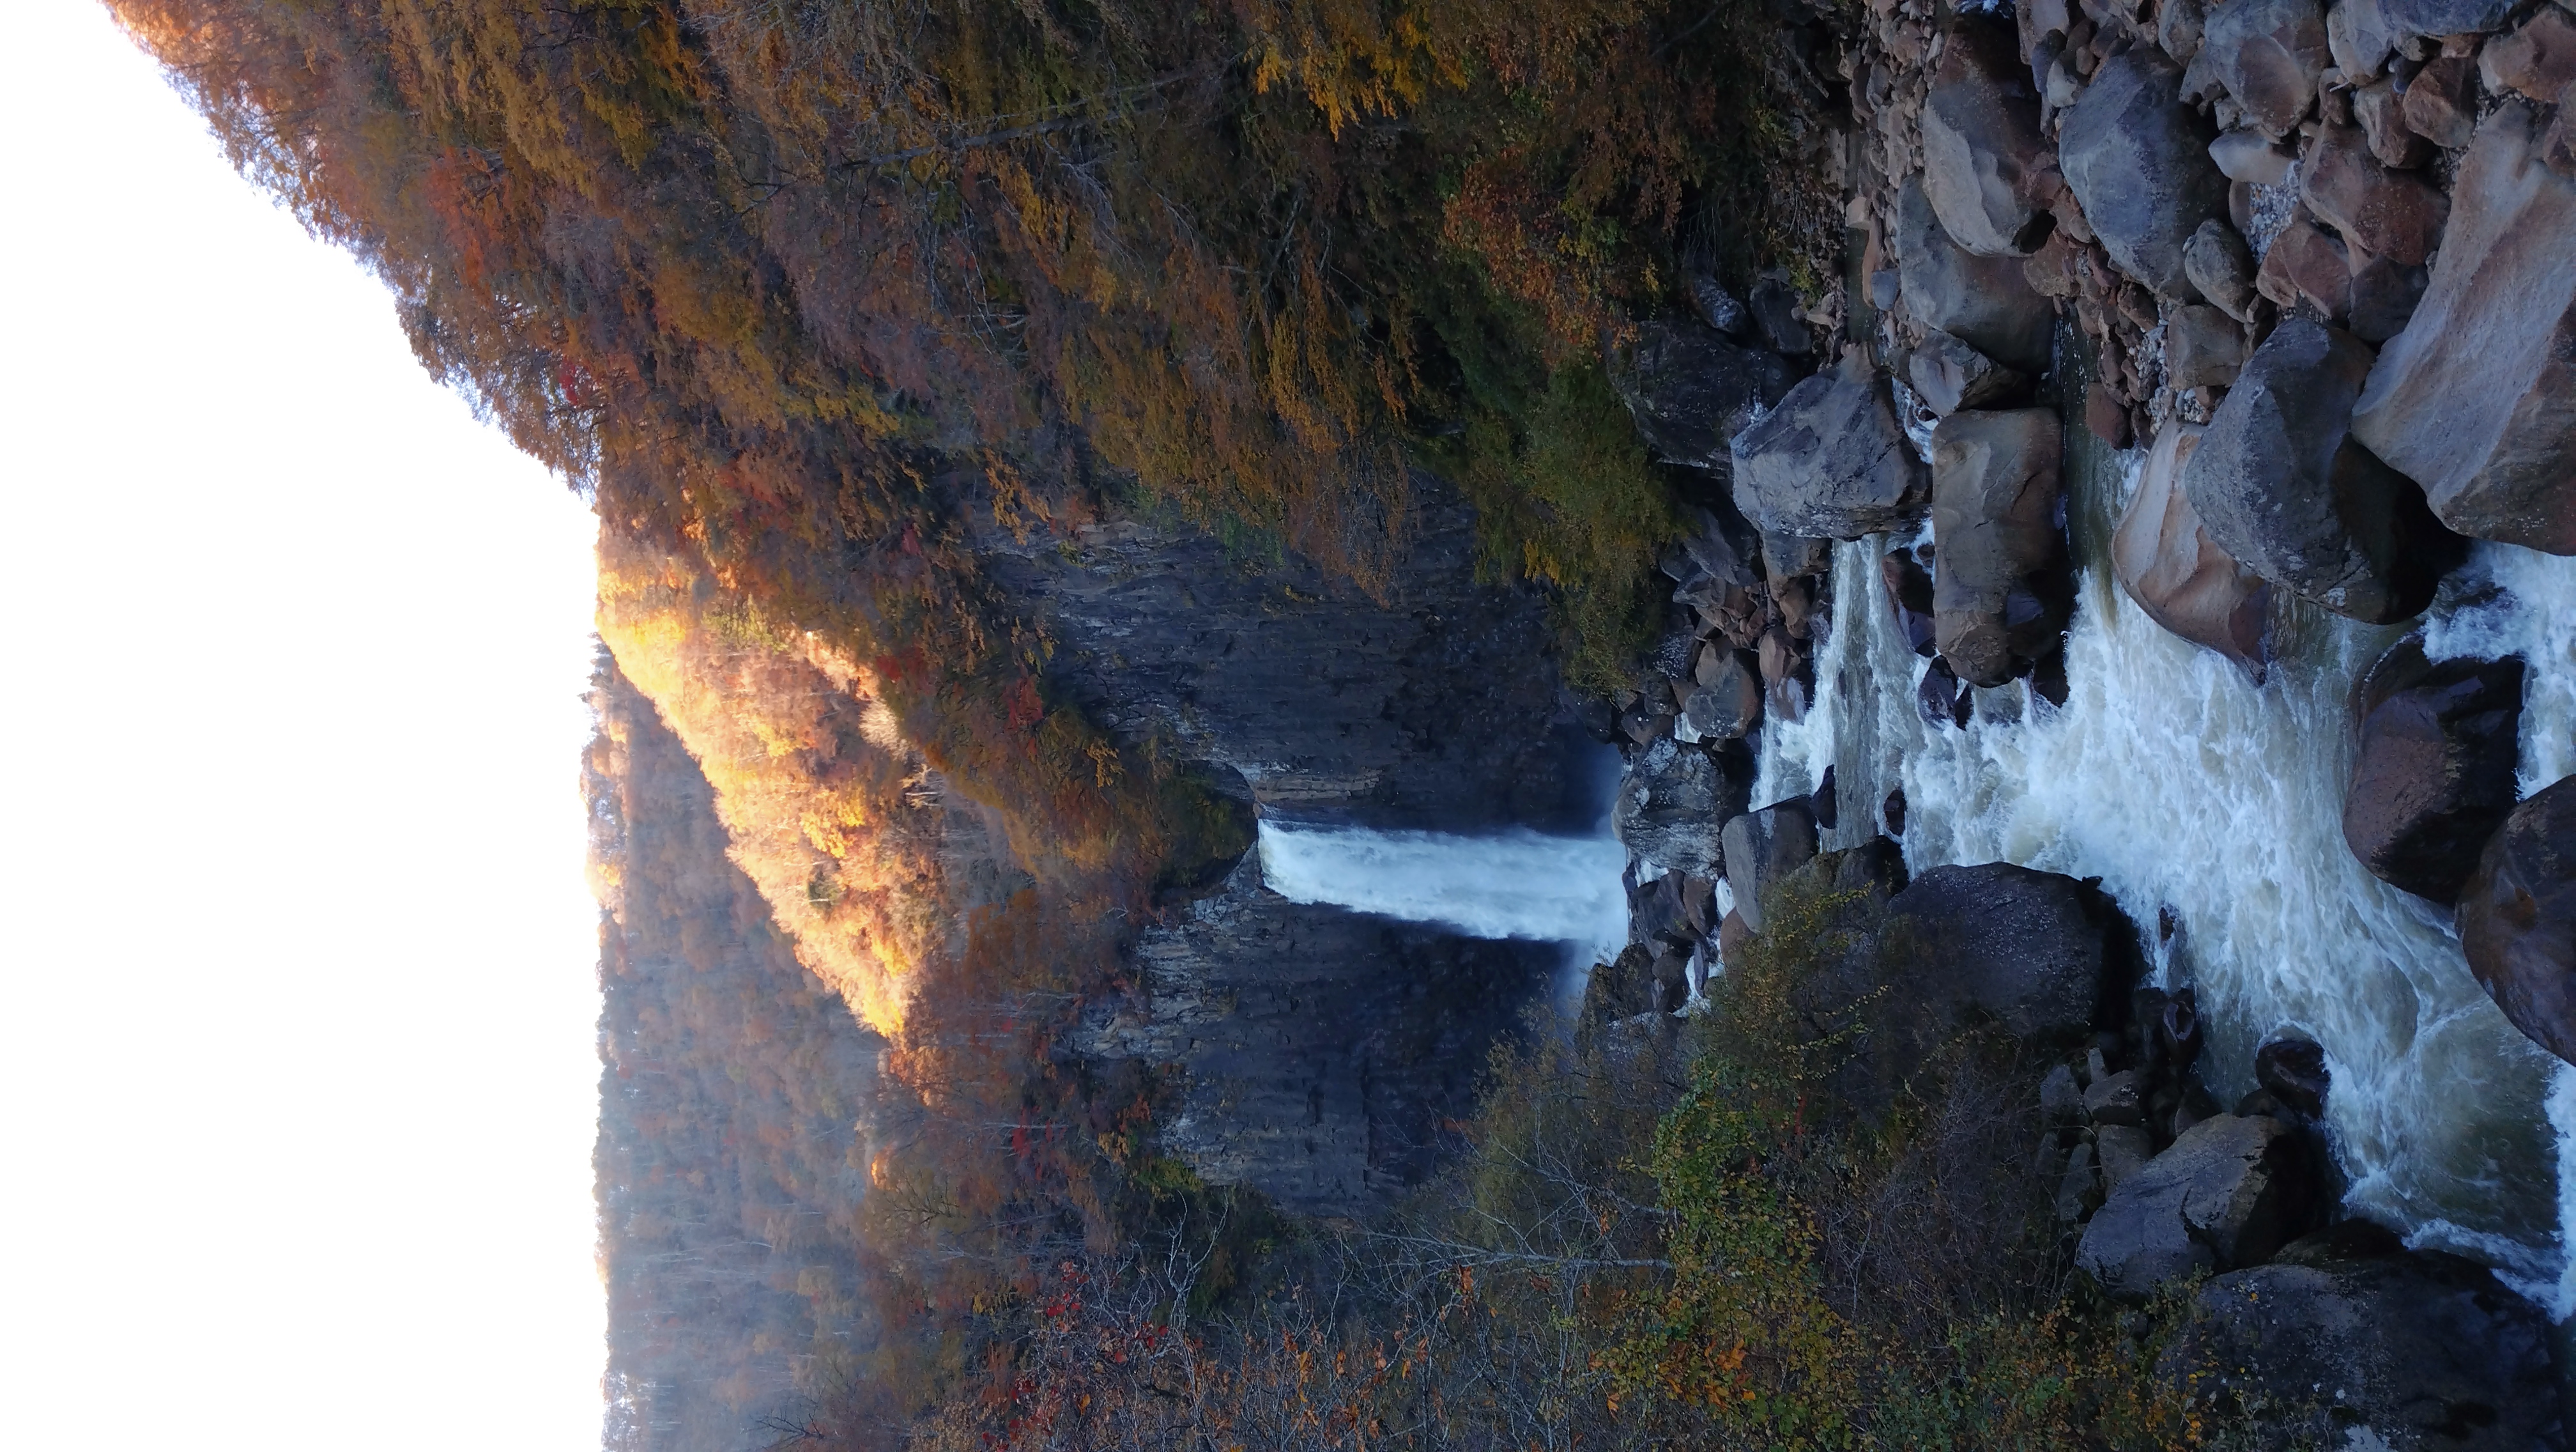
[{"x": 1511, "y": 884}]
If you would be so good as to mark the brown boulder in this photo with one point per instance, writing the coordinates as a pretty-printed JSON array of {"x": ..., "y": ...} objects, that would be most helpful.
[
  {"x": 2434, "y": 773},
  {"x": 2476, "y": 398},
  {"x": 2517, "y": 918},
  {"x": 2176, "y": 573},
  {"x": 2389, "y": 213},
  {"x": 2440, "y": 105},
  {"x": 1909, "y": 594},
  {"x": 2537, "y": 61},
  {"x": 2378, "y": 110},
  {"x": 2001, "y": 591},
  {"x": 2385, "y": 294},
  {"x": 2307, "y": 271}
]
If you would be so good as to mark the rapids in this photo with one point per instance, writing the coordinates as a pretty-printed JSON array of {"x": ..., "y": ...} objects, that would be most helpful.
[{"x": 2211, "y": 806}]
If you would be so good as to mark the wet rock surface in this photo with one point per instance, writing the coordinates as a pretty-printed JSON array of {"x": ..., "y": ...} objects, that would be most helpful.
[
  {"x": 2433, "y": 777},
  {"x": 1986, "y": 170},
  {"x": 2181, "y": 577},
  {"x": 2517, "y": 918}
]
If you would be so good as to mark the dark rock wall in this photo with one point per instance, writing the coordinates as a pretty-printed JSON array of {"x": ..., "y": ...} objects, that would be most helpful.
[
  {"x": 1428, "y": 709},
  {"x": 1321, "y": 1048},
  {"x": 1318, "y": 1049}
]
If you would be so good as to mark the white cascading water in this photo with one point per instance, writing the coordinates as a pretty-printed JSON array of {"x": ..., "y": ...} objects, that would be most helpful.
[
  {"x": 2215, "y": 805},
  {"x": 1511, "y": 884}
]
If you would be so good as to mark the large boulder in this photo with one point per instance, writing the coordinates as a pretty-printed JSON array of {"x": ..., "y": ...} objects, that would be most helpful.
[
  {"x": 1764, "y": 847},
  {"x": 2434, "y": 774},
  {"x": 2393, "y": 214},
  {"x": 1831, "y": 462},
  {"x": 2268, "y": 54},
  {"x": 2517, "y": 918},
  {"x": 2360, "y": 37},
  {"x": 2281, "y": 485},
  {"x": 2229, "y": 1192},
  {"x": 1948, "y": 375},
  {"x": 2349, "y": 1341},
  {"x": 1986, "y": 301},
  {"x": 2001, "y": 587},
  {"x": 2036, "y": 952},
  {"x": 2138, "y": 161},
  {"x": 1909, "y": 594},
  {"x": 1674, "y": 799},
  {"x": 2181, "y": 577},
  {"x": 2476, "y": 399},
  {"x": 2446, "y": 17},
  {"x": 1984, "y": 163},
  {"x": 1691, "y": 390},
  {"x": 1726, "y": 697}
]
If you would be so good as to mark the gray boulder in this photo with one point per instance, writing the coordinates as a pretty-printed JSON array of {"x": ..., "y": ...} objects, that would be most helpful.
[
  {"x": 2360, "y": 37},
  {"x": 2001, "y": 591},
  {"x": 1987, "y": 302},
  {"x": 2221, "y": 266},
  {"x": 2433, "y": 775},
  {"x": 2034, "y": 951},
  {"x": 2229, "y": 1192},
  {"x": 2517, "y": 918},
  {"x": 2409, "y": 18},
  {"x": 1762, "y": 848},
  {"x": 1672, "y": 801},
  {"x": 2348, "y": 1340},
  {"x": 2268, "y": 54},
  {"x": 2138, "y": 161},
  {"x": 1727, "y": 699},
  {"x": 2476, "y": 399},
  {"x": 1948, "y": 375},
  {"x": 2203, "y": 347},
  {"x": 2281, "y": 485},
  {"x": 1984, "y": 162},
  {"x": 1691, "y": 390},
  {"x": 2181, "y": 577},
  {"x": 1831, "y": 462}
]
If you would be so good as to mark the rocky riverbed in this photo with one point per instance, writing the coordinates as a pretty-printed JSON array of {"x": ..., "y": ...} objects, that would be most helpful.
[{"x": 2184, "y": 505}]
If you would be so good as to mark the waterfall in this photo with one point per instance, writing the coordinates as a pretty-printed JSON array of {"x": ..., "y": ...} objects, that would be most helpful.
[
  {"x": 2213, "y": 806},
  {"x": 1511, "y": 884}
]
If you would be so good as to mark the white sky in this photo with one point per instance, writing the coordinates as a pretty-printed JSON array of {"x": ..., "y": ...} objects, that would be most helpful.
[{"x": 296, "y": 964}]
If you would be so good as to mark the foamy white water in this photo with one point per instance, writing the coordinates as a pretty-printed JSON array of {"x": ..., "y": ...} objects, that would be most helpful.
[
  {"x": 1512, "y": 884},
  {"x": 2193, "y": 793}
]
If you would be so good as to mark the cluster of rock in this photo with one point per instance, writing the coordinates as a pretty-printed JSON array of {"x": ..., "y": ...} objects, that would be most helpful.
[
  {"x": 2323, "y": 1329},
  {"x": 2323, "y": 256}
]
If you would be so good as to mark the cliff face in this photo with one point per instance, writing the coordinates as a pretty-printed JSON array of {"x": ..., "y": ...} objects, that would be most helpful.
[
  {"x": 1322, "y": 1048},
  {"x": 1431, "y": 708}
]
